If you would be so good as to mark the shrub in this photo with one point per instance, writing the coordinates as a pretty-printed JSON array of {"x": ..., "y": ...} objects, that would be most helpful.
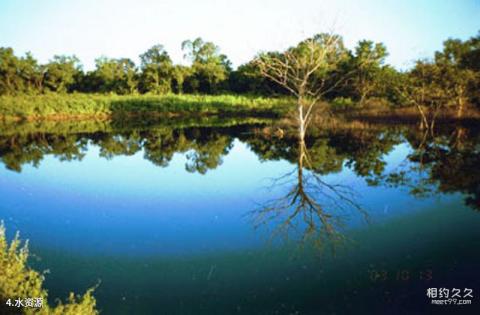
[
  {"x": 17, "y": 280},
  {"x": 342, "y": 103},
  {"x": 48, "y": 105}
]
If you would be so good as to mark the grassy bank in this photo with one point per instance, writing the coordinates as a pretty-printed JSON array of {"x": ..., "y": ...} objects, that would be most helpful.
[
  {"x": 57, "y": 107},
  {"x": 62, "y": 106}
]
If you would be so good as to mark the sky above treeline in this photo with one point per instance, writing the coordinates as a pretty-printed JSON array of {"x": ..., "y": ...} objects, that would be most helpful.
[{"x": 411, "y": 29}]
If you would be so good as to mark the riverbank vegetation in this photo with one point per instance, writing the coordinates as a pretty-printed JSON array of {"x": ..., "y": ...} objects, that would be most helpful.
[
  {"x": 19, "y": 281},
  {"x": 347, "y": 79},
  {"x": 60, "y": 106}
]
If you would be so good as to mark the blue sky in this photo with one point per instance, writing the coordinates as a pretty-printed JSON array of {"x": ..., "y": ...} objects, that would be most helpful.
[{"x": 117, "y": 28}]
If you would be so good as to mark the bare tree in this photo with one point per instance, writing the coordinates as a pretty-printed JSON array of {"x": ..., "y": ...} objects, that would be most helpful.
[
  {"x": 311, "y": 206},
  {"x": 421, "y": 88},
  {"x": 303, "y": 71},
  {"x": 310, "y": 70}
]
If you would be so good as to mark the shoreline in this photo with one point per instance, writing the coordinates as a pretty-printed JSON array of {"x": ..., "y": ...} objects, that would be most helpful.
[
  {"x": 82, "y": 107},
  {"x": 391, "y": 117}
]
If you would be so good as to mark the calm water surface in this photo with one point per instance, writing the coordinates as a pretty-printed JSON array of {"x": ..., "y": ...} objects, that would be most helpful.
[{"x": 230, "y": 219}]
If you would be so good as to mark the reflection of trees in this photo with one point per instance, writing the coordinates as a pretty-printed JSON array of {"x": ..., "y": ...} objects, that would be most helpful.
[
  {"x": 443, "y": 161},
  {"x": 204, "y": 148},
  {"x": 17, "y": 150},
  {"x": 452, "y": 164},
  {"x": 311, "y": 208},
  {"x": 365, "y": 150},
  {"x": 446, "y": 163},
  {"x": 112, "y": 145},
  {"x": 362, "y": 150},
  {"x": 207, "y": 152}
]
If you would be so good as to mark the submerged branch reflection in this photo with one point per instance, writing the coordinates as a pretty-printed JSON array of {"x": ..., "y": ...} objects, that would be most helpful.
[{"x": 310, "y": 209}]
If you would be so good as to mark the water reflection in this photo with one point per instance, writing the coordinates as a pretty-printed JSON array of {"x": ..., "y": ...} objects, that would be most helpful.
[
  {"x": 442, "y": 162},
  {"x": 204, "y": 146},
  {"x": 311, "y": 208},
  {"x": 162, "y": 206}
]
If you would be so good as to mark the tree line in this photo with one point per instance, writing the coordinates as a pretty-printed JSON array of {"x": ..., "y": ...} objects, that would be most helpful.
[
  {"x": 208, "y": 73},
  {"x": 451, "y": 77}
]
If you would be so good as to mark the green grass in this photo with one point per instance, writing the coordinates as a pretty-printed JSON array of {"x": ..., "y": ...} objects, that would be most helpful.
[{"x": 68, "y": 105}]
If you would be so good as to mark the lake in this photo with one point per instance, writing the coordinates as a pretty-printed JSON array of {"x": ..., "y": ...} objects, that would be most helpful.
[{"x": 229, "y": 216}]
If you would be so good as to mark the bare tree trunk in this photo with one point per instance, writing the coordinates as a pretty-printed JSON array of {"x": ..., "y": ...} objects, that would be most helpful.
[
  {"x": 363, "y": 96},
  {"x": 301, "y": 156},
  {"x": 301, "y": 122},
  {"x": 461, "y": 104},
  {"x": 460, "y": 133},
  {"x": 424, "y": 120}
]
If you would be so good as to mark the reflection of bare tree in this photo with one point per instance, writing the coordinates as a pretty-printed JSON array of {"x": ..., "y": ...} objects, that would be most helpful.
[{"x": 311, "y": 208}]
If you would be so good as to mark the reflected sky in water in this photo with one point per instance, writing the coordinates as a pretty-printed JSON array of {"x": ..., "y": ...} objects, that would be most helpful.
[
  {"x": 127, "y": 205},
  {"x": 181, "y": 232}
]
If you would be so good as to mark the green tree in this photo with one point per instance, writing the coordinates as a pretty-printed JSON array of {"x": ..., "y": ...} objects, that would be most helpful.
[
  {"x": 179, "y": 74},
  {"x": 210, "y": 68},
  {"x": 471, "y": 56},
  {"x": 471, "y": 60},
  {"x": 8, "y": 71},
  {"x": 35, "y": 73},
  {"x": 60, "y": 73},
  {"x": 423, "y": 88},
  {"x": 129, "y": 77},
  {"x": 19, "y": 75},
  {"x": 457, "y": 77},
  {"x": 367, "y": 62},
  {"x": 156, "y": 71},
  {"x": 114, "y": 75},
  {"x": 248, "y": 79}
]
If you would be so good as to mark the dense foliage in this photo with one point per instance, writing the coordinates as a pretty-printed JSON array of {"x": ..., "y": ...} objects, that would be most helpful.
[
  {"x": 82, "y": 105},
  {"x": 450, "y": 79},
  {"x": 19, "y": 281}
]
